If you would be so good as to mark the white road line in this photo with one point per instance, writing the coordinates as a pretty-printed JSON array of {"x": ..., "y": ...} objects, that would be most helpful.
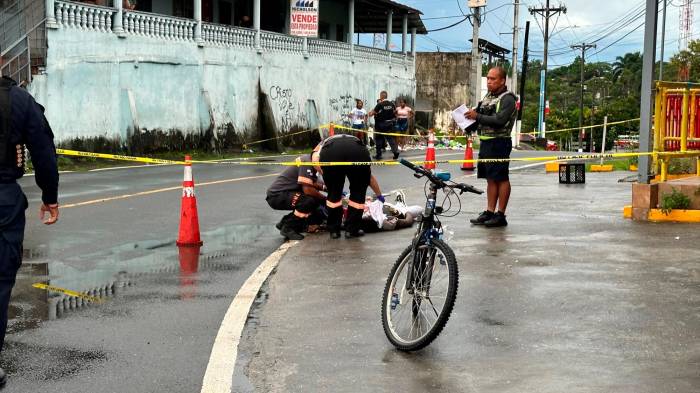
[
  {"x": 125, "y": 196},
  {"x": 219, "y": 375}
]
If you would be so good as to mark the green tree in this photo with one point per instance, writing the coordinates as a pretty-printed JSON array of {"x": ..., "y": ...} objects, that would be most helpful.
[
  {"x": 689, "y": 58},
  {"x": 609, "y": 89},
  {"x": 627, "y": 71}
]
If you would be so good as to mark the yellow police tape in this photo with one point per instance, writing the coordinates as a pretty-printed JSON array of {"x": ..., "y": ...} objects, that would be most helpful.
[
  {"x": 483, "y": 160},
  {"x": 462, "y": 136},
  {"x": 418, "y": 135},
  {"x": 67, "y": 292},
  {"x": 246, "y": 145},
  {"x": 338, "y": 127},
  {"x": 382, "y": 163},
  {"x": 119, "y": 157},
  {"x": 584, "y": 128}
]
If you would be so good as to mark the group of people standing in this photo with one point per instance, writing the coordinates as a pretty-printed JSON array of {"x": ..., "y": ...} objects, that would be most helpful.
[
  {"x": 299, "y": 188},
  {"x": 388, "y": 118}
]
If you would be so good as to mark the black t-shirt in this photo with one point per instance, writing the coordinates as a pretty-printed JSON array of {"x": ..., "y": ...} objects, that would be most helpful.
[
  {"x": 293, "y": 178},
  {"x": 384, "y": 111}
]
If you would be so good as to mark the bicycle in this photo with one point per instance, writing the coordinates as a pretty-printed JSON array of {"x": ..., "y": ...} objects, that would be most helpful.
[{"x": 417, "y": 299}]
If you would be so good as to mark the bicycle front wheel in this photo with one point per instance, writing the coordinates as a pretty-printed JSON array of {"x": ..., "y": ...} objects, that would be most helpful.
[{"x": 419, "y": 295}]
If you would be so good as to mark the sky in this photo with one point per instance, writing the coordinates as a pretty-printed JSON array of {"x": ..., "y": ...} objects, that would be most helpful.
[{"x": 610, "y": 24}]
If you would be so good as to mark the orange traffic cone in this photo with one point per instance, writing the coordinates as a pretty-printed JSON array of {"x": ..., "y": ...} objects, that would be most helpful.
[
  {"x": 468, "y": 155},
  {"x": 189, "y": 259},
  {"x": 189, "y": 221},
  {"x": 189, "y": 264},
  {"x": 331, "y": 130},
  {"x": 430, "y": 153}
]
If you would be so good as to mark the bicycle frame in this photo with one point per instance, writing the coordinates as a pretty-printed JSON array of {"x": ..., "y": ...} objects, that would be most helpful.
[{"x": 425, "y": 232}]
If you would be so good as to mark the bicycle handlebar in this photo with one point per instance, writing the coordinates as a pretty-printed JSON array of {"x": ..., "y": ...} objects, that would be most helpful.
[{"x": 424, "y": 172}]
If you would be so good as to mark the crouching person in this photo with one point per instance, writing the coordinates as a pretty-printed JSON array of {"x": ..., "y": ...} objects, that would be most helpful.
[{"x": 297, "y": 189}]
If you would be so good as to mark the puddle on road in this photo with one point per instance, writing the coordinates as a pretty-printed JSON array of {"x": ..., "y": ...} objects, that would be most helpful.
[
  {"x": 110, "y": 272},
  {"x": 65, "y": 362}
]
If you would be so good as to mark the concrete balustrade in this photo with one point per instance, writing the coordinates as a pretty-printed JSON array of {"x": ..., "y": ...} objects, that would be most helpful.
[
  {"x": 105, "y": 19},
  {"x": 83, "y": 16},
  {"x": 158, "y": 26}
]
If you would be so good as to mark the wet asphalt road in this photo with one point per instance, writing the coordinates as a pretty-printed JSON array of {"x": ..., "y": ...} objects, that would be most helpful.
[
  {"x": 154, "y": 330},
  {"x": 570, "y": 297}
]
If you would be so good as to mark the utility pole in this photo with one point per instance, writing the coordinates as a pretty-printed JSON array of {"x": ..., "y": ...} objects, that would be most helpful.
[
  {"x": 524, "y": 78},
  {"x": 663, "y": 38},
  {"x": 514, "y": 64},
  {"x": 522, "y": 85},
  {"x": 646, "y": 105},
  {"x": 583, "y": 48},
  {"x": 476, "y": 56},
  {"x": 546, "y": 12}
]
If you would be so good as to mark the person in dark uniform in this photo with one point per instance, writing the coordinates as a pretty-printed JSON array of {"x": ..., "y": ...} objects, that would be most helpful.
[
  {"x": 494, "y": 118},
  {"x": 346, "y": 148},
  {"x": 384, "y": 118},
  {"x": 22, "y": 123},
  {"x": 297, "y": 189}
]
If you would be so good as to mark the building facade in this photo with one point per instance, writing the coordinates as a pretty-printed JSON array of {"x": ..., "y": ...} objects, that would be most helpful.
[
  {"x": 444, "y": 82},
  {"x": 207, "y": 73}
]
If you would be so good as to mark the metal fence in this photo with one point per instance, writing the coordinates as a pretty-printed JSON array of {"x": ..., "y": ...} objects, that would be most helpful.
[
  {"x": 676, "y": 122},
  {"x": 22, "y": 39}
]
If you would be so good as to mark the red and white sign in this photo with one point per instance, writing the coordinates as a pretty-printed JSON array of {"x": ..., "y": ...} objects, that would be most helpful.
[{"x": 304, "y": 18}]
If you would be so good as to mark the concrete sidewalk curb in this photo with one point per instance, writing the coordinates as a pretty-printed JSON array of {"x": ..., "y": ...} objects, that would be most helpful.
[{"x": 219, "y": 374}]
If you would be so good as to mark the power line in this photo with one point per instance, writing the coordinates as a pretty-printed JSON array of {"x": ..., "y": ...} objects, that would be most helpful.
[
  {"x": 450, "y": 26},
  {"x": 584, "y": 47},
  {"x": 547, "y": 13}
]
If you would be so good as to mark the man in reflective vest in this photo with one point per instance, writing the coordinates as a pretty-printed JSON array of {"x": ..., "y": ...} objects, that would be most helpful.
[
  {"x": 495, "y": 116},
  {"x": 22, "y": 123},
  {"x": 346, "y": 148}
]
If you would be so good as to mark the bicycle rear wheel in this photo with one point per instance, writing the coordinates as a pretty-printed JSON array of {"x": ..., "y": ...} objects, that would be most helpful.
[{"x": 419, "y": 295}]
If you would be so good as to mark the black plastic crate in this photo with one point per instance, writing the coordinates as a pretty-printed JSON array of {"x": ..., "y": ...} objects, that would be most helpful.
[{"x": 572, "y": 173}]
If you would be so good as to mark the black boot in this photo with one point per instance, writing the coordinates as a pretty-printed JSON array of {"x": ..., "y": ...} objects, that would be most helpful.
[
  {"x": 292, "y": 228},
  {"x": 284, "y": 219}
]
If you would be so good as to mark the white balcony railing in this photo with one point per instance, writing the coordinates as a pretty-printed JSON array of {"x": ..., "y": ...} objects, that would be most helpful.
[
  {"x": 84, "y": 16},
  {"x": 158, "y": 26},
  {"x": 334, "y": 49},
  {"x": 372, "y": 55},
  {"x": 97, "y": 18},
  {"x": 397, "y": 58},
  {"x": 223, "y": 35},
  {"x": 276, "y": 42}
]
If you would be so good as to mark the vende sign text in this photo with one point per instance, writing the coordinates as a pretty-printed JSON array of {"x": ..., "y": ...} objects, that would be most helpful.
[{"x": 304, "y": 18}]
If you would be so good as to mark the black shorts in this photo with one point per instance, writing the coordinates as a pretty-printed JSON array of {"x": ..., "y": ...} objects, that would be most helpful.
[{"x": 494, "y": 148}]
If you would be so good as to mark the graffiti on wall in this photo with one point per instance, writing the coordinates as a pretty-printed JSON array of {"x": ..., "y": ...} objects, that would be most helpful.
[
  {"x": 343, "y": 104},
  {"x": 291, "y": 112}
]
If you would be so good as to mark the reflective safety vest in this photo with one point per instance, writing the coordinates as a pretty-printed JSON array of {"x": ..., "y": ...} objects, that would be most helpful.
[{"x": 491, "y": 105}]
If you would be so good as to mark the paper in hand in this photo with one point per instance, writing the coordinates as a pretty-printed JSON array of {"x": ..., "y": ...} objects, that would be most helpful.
[{"x": 458, "y": 116}]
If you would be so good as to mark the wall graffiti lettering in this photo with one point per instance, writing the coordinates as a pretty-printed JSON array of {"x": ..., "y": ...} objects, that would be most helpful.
[
  {"x": 291, "y": 113},
  {"x": 342, "y": 104}
]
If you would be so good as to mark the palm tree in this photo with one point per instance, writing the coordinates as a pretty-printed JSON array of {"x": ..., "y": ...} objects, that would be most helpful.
[
  {"x": 630, "y": 64},
  {"x": 628, "y": 71}
]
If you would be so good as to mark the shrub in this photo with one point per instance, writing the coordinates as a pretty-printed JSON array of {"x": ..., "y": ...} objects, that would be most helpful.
[
  {"x": 674, "y": 200},
  {"x": 681, "y": 166}
]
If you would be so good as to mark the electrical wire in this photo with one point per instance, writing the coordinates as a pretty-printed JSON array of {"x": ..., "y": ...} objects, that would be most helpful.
[{"x": 614, "y": 26}]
